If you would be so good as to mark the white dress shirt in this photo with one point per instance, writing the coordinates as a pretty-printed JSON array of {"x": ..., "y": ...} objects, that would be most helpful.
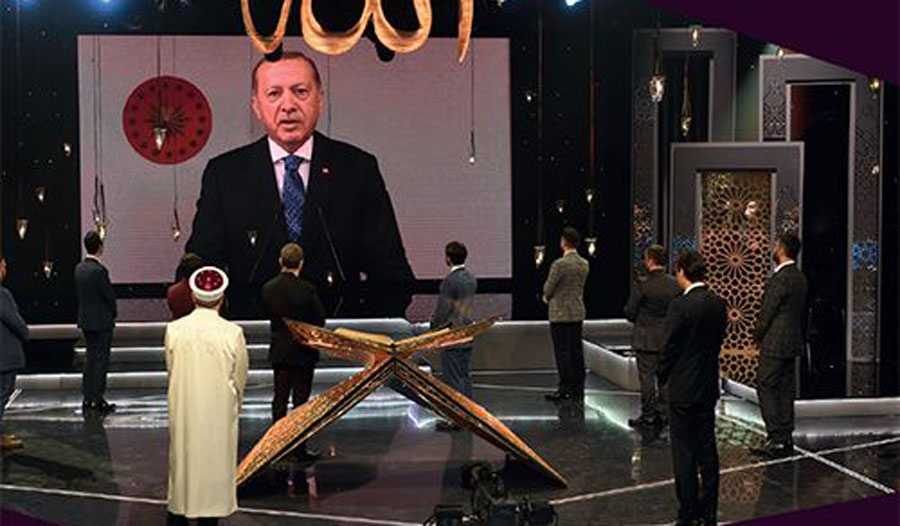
[
  {"x": 278, "y": 154},
  {"x": 694, "y": 286},
  {"x": 782, "y": 265}
]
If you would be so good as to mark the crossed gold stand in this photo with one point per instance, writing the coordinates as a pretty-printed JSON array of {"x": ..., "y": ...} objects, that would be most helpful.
[{"x": 382, "y": 359}]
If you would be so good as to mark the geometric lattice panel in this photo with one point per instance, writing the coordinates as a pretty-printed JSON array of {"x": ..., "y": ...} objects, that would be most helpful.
[{"x": 735, "y": 230}]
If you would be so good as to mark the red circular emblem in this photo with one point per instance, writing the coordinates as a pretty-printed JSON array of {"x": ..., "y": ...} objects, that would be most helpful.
[{"x": 167, "y": 120}]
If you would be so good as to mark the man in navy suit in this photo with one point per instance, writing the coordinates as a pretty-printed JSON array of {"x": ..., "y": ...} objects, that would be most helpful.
[
  {"x": 454, "y": 309},
  {"x": 689, "y": 370},
  {"x": 297, "y": 185},
  {"x": 96, "y": 318},
  {"x": 13, "y": 334}
]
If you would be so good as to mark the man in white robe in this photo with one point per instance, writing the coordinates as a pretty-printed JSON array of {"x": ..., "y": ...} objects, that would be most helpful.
[{"x": 206, "y": 358}]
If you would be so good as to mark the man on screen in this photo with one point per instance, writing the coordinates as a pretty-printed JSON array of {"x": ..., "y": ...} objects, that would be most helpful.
[{"x": 297, "y": 185}]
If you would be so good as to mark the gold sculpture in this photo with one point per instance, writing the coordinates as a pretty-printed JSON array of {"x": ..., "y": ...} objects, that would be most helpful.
[
  {"x": 336, "y": 43},
  {"x": 383, "y": 358}
]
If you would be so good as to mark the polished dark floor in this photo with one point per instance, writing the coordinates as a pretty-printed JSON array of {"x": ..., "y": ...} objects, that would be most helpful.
[{"x": 385, "y": 464}]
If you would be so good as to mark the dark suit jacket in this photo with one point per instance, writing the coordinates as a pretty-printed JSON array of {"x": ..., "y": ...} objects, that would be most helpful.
[
  {"x": 239, "y": 194},
  {"x": 13, "y": 333},
  {"x": 693, "y": 335},
  {"x": 287, "y": 296},
  {"x": 454, "y": 304},
  {"x": 647, "y": 307},
  {"x": 96, "y": 297},
  {"x": 781, "y": 319}
]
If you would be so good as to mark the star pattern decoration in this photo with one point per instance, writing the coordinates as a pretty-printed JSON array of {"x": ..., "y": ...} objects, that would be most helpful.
[{"x": 383, "y": 359}]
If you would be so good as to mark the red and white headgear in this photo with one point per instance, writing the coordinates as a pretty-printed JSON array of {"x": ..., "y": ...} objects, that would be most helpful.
[{"x": 208, "y": 284}]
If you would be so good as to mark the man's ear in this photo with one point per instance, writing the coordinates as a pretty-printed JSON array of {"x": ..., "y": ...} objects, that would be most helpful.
[{"x": 254, "y": 104}]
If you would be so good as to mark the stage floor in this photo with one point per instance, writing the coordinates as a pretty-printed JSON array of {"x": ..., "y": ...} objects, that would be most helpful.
[{"x": 385, "y": 464}]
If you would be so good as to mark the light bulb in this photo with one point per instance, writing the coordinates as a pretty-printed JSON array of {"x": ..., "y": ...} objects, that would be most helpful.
[
  {"x": 539, "y": 252},
  {"x": 176, "y": 231},
  {"x": 329, "y": 278},
  {"x": 561, "y": 205},
  {"x": 780, "y": 52},
  {"x": 251, "y": 237},
  {"x": 67, "y": 149},
  {"x": 41, "y": 193},
  {"x": 657, "y": 87},
  {"x": 589, "y": 195},
  {"x": 591, "y": 245},
  {"x": 101, "y": 229},
  {"x": 695, "y": 35},
  {"x": 159, "y": 137},
  {"x": 48, "y": 268},
  {"x": 876, "y": 170},
  {"x": 21, "y": 227},
  {"x": 874, "y": 85}
]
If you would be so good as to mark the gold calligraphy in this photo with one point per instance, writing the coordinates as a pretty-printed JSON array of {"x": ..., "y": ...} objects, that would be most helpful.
[{"x": 336, "y": 43}]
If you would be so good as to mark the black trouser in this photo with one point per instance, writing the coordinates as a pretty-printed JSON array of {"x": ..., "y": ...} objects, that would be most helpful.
[
  {"x": 294, "y": 381},
  {"x": 776, "y": 387},
  {"x": 567, "y": 346},
  {"x": 96, "y": 363},
  {"x": 653, "y": 401},
  {"x": 181, "y": 520},
  {"x": 455, "y": 369},
  {"x": 693, "y": 438}
]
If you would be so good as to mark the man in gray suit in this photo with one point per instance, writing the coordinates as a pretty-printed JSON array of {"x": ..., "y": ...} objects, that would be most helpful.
[
  {"x": 646, "y": 308},
  {"x": 454, "y": 309},
  {"x": 779, "y": 331},
  {"x": 13, "y": 333},
  {"x": 96, "y": 319},
  {"x": 564, "y": 295}
]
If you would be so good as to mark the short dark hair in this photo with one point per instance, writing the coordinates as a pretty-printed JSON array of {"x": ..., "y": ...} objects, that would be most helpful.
[
  {"x": 286, "y": 55},
  {"x": 791, "y": 244},
  {"x": 188, "y": 264},
  {"x": 692, "y": 264},
  {"x": 291, "y": 256},
  {"x": 657, "y": 254},
  {"x": 456, "y": 252},
  {"x": 92, "y": 242},
  {"x": 572, "y": 237}
]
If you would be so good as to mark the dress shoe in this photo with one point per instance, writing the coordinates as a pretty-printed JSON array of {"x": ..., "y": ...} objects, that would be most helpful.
[
  {"x": 639, "y": 421},
  {"x": 773, "y": 449},
  {"x": 105, "y": 407},
  {"x": 558, "y": 396},
  {"x": 10, "y": 442},
  {"x": 446, "y": 427}
]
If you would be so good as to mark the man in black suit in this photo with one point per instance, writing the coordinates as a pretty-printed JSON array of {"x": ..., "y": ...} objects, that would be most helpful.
[
  {"x": 646, "y": 308},
  {"x": 454, "y": 309},
  {"x": 297, "y": 185},
  {"x": 287, "y": 295},
  {"x": 13, "y": 336},
  {"x": 689, "y": 370},
  {"x": 96, "y": 319},
  {"x": 779, "y": 331}
]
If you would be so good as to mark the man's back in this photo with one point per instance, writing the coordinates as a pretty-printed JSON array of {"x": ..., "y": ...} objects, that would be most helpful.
[
  {"x": 780, "y": 322},
  {"x": 96, "y": 298},
  {"x": 13, "y": 332},
  {"x": 647, "y": 308},
  {"x": 454, "y": 304},
  {"x": 291, "y": 297},
  {"x": 564, "y": 288},
  {"x": 694, "y": 331}
]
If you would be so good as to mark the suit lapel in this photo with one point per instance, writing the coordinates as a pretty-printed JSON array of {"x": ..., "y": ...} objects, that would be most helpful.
[
  {"x": 319, "y": 176},
  {"x": 268, "y": 184}
]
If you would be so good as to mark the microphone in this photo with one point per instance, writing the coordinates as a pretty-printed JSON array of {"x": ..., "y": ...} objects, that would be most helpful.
[
  {"x": 279, "y": 209},
  {"x": 334, "y": 256}
]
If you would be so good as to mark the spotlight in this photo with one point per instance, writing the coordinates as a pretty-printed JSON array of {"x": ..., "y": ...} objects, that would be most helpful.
[
  {"x": 41, "y": 193},
  {"x": 47, "y": 267},
  {"x": 571, "y": 3},
  {"x": 251, "y": 237},
  {"x": 591, "y": 245},
  {"x": 67, "y": 149}
]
